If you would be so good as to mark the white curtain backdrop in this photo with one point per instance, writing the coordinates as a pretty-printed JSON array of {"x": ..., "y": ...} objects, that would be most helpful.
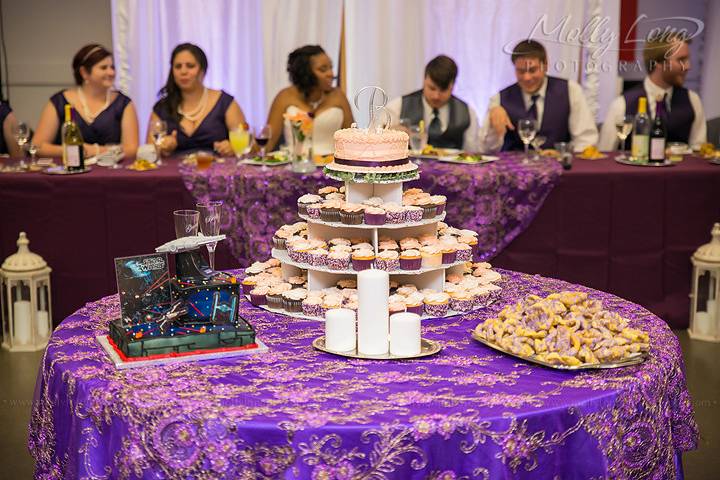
[
  {"x": 246, "y": 42},
  {"x": 388, "y": 44}
]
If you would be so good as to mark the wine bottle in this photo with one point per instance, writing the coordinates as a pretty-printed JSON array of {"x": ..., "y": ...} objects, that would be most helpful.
[
  {"x": 658, "y": 134},
  {"x": 641, "y": 132},
  {"x": 72, "y": 143}
]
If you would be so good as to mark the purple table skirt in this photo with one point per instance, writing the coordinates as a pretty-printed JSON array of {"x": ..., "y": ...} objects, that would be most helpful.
[
  {"x": 498, "y": 200},
  {"x": 294, "y": 412}
]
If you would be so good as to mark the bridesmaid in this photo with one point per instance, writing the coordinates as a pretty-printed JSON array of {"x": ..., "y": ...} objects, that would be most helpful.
[
  {"x": 9, "y": 124},
  {"x": 105, "y": 116},
  {"x": 312, "y": 91},
  {"x": 197, "y": 117}
]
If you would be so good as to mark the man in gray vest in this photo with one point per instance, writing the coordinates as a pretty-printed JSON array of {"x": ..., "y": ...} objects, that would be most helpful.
[{"x": 449, "y": 122}]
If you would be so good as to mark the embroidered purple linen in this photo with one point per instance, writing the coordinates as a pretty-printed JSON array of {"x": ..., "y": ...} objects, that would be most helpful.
[
  {"x": 498, "y": 200},
  {"x": 294, "y": 412}
]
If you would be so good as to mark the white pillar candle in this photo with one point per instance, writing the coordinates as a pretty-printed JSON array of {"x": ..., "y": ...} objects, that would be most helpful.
[
  {"x": 340, "y": 331},
  {"x": 712, "y": 320},
  {"x": 701, "y": 324},
  {"x": 42, "y": 319},
  {"x": 404, "y": 334},
  {"x": 373, "y": 329},
  {"x": 21, "y": 320}
]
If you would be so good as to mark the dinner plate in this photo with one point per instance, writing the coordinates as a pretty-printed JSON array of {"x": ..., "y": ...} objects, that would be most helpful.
[
  {"x": 60, "y": 170},
  {"x": 633, "y": 359},
  {"x": 283, "y": 159},
  {"x": 666, "y": 163},
  {"x": 427, "y": 348}
]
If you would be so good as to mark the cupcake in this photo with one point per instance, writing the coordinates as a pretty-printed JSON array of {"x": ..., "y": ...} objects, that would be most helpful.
[
  {"x": 374, "y": 216},
  {"x": 388, "y": 245},
  {"x": 413, "y": 213},
  {"x": 481, "y": 297},
  {"x": 362, "y": 246},
  {"x": 495, "y": 292},
  {"x": 394, "y": 214},
  {"x": 461, "y": 301},
  {"x": 341, "y": 248},
  {"x": 306, "y": 200},
  {"x": 431, "y": 256},
  {"x": 362, "y": 259},
  {"x": 449, "y": 254},
  {"x": 351, "y": 214},
  {"x": 312, "y": 307},
  {"x": 258, "y": 295},
  {"x": 313, "y": 210},
  {"x": 330, "y": 212},
  {"x": 327, "y": 190},
  {"x": 292, "y": 299},
  {"x": 396, "y": 307},
  {"x": 297, "y": 281},
  {"x": 339, "y": 241},
  {"x": 317, "y": 257},
  {"x": 429, "y": 208},
  {"x": 338, "y": 260},
  {"x": 463, "y": 252},
  {"x": 439, "y": 201},
  {"x": 347, "y": 283},
  {"x": 330, "y": 302},
  {"x": 387, "y": 260},
  {"x": 374, "y": 201},
  {"x": 410, "y": 243},
  {"x": 278, "y": 240},
  {"x": 437, "y": 304},
  {"x": 410, "y": 260},
  {"x": 414, "y": 303},
  {"x": 248, "y": 284},
  {"x": 274, "y": 297},
  {"x": 469, "y": 240},
  {"x": 407, "y": 289}
]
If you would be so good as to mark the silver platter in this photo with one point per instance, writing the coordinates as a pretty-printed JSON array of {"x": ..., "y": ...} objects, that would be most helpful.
[
  {"x": 61, "y": 171},
  {"x": 427, "y": 348},
  {"x": 666, "y": 163},
  {"x": 715, "y": 161},
  {"x": 634, "y": 359}
]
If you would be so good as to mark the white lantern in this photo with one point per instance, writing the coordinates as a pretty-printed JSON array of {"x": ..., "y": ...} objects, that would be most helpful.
[
  {"x": 25, "y": 300},
  {"x": 704, "y": 305}
]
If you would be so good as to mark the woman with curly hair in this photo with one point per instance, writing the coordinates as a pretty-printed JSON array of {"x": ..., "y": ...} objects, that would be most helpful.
[{"x": 312, "y": 91}]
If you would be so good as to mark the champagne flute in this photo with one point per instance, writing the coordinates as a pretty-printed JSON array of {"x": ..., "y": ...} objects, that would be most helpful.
[
  {"x": 158, "y": 130},
  {"x": 537, "y": 144},
  {"x": 210, "y": 217},
  {"x": 22, "y": 136},
  {"x": 262, "y": 138},
  {"x": 623, "y": 129},
  {"x": 186, "y": 223},
  {"x": 527, "y": 130}
]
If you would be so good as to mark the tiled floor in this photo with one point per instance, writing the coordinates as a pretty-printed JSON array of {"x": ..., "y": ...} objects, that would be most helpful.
[{"x": 17, "y": 381}]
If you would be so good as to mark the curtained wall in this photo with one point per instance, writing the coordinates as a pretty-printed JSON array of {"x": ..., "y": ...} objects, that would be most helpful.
[{"x": 387, "y": 43}]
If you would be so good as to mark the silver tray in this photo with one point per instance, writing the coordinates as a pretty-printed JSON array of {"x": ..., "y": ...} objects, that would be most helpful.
[
  {"x": 666, "y": 163},
  {"x": 61, "y": 171},
  {"x": 634, "y": 359},
  {"x": 715, "y": 161},
  {"x": 427, "y": 348}
]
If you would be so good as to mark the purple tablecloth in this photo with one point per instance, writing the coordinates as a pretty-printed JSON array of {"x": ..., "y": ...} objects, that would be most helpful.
[
  {"x": 498, "y": 200},
  {"x": 294, "y": 412}
]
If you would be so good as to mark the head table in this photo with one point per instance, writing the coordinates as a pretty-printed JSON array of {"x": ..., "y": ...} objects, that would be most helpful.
[{"x": 295, "y": 412}]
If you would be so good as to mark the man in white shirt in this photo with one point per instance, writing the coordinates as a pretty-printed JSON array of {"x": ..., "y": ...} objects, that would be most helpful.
[
  {"x": 449, "y": 122},
  {"x": 567, "y": 117},
  {"x": 667, "y": 61}
]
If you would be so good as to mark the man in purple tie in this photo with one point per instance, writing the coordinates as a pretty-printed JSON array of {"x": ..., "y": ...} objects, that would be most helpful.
[
  {"x": 557, "y": 106},
  {"x": 667, "y": 61},
  {"x": 449, "y": 121}
]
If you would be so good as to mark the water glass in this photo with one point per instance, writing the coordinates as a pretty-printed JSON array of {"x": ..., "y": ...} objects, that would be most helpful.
[
  {"x": 21, "y": 132},
  {"x": 210, "y": 219},
  {"x": 537, "y": 144},
  {"x": 566, "y": 154},
  {"x": 418, "y": 139},
  {"x": 186, "y": 223},
  {"x": 623, "y": 129},
  {"x": 527, "y": 130},
  {"x": 158, "y": 130}
]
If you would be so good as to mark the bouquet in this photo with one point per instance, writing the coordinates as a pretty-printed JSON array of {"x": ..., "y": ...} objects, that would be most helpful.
[{"x": 301, "y": 123}]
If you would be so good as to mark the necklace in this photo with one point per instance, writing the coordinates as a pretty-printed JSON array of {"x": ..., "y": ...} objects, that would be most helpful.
[
  {"x": 86, "y": 110},
  {"x": 314, "y": 105},
  {"x": 195, "y": 115}
]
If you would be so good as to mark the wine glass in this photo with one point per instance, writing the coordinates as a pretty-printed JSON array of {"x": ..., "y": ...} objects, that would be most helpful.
[
  {"x": 623, "y": 129},
  {"x": 32, "y": 149},
  {"x": 537, "y": 144},
  {"x": 210, "y": 216},
  {"x": 158, "y": 130},
  {"x": 262, "y": 138},
  {"x": 527, "y": 130},
  {"x": 22, "y": 136},
  {"x": 186, "y": 223}
]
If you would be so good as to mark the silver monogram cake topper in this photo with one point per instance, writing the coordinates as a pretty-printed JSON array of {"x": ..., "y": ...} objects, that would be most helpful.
[{"x": 379, "y": 117}]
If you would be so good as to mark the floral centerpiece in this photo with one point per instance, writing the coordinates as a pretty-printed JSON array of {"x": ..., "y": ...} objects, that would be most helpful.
[{"x": 301, "y": 124}]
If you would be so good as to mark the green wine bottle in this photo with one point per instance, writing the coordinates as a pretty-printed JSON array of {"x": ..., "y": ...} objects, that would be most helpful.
[{"x": 72, "y": 143}]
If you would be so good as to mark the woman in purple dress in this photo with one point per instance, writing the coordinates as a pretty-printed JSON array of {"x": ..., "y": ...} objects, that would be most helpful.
[
  {"x": 198, "y": 118},
  {"x": 105, "y": 117},
  {"x": 9, "y": 125}
]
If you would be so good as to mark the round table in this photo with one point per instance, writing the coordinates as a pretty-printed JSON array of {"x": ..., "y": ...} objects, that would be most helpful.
[{"x": 295, "y": 412}]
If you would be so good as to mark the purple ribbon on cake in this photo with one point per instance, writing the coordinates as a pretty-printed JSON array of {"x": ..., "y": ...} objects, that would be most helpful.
[{"x": 364, "y": 163}]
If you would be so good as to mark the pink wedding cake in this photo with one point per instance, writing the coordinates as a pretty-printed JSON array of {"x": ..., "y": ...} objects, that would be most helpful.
[{"x": 381, "y": 152}]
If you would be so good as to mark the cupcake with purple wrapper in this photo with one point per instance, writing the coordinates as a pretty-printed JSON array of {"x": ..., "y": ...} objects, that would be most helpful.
[
  {"x": 258, "y": 295},
  {"x": 461, "y": 301},
  {"x": 387, "y": 260},
  {"x": 449, "y": 254},
  {"x": 317, "y": 257},
  {"x": 463, "y": 252},
  {"x": 439, "y": 201},
  {"x": 413, "y": 213},
  {"x": 306, "y": 200},
  {"x": 395, "y": 214},
  {"x": 437, "y": 304},
  {"x": 313, "y": 210},
  {"x": 338, "y": 260},
  {"x": 312, "y": 307},
  {"x": 410, "y": 259},
  {"x": 374, "y": 216},
  {"x": 362, "y": 259}
]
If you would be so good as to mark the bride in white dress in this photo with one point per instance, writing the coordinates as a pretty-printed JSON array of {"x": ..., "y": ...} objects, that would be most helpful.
[{"x": 311, "y": 91}]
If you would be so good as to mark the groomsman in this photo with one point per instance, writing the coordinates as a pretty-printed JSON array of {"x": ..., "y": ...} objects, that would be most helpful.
[
  {"x": 558, "y": 106},
  {"x": 667, "y": 61},
  {"x": 449, "y": 121}
]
